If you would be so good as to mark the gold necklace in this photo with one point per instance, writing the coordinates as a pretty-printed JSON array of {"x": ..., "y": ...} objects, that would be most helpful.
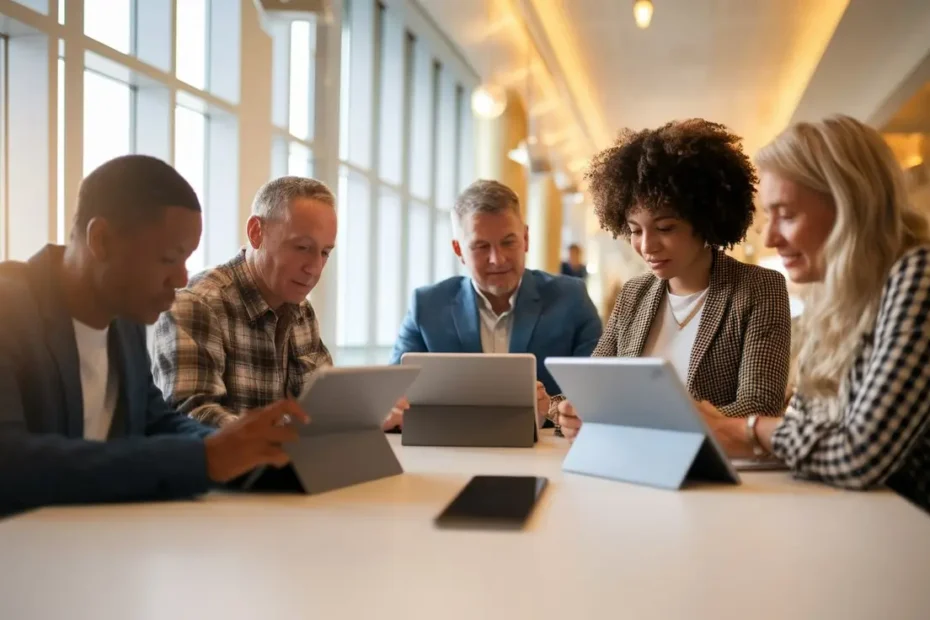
[{"x": 697, "y": 307}]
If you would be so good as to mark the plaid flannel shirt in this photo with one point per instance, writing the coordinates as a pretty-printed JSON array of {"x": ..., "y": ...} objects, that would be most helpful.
[
  {"x": 882, "y": 436},
  {"x": 215, "y": 354}
]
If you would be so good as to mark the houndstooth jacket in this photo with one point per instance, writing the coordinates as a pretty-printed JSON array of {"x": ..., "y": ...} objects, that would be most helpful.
[{"x": 741, "y": 354}]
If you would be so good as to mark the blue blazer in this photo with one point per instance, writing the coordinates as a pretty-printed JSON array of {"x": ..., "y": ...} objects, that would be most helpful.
[
  {"x": 553, "y": 317},
  {"x": 153, "y": 453}
]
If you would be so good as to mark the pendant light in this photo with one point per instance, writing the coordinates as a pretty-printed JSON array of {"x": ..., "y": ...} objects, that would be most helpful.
[{"x": 642, "y": 13}]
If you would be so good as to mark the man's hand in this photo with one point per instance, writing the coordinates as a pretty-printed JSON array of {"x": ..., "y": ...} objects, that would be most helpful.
[
  {"x": 395, "y": 418},
  {"x": 253, "y": 440},
  {"x": 542, "y": 403},
  {"x": 569, "y": 421}
]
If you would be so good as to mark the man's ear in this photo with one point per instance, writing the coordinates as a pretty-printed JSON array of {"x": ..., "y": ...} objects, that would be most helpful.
[
  {"x": 98, "y": 237},
  {"x": 526, "y": 238},
  {"x": 255, "y": 231},
  {"x": 457, "y": 248}
]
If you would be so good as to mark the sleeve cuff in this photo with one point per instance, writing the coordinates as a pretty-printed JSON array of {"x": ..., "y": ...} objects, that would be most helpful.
[
  {"x": 185, "y": 473},
  {"x": 213, "y": 415}
]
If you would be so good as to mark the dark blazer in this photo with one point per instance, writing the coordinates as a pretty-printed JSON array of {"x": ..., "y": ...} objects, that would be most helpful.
[
  {"x": 553, "y": 317},
  {"x": 742, "y": 351},
  {"x": 153, "y": 452}
]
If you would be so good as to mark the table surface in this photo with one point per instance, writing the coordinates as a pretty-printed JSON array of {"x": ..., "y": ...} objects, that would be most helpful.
[{"x": 773, "y": 547}]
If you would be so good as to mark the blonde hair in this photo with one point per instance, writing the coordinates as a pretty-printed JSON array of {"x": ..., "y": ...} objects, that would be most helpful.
[{"x": 874, "y": 226}]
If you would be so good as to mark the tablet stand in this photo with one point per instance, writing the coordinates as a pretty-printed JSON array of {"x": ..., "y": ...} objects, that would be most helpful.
[
  {"x": 331, "y": 461},
  {"x": 658, "y": 458},
  {"x": 469, "y": 426}
]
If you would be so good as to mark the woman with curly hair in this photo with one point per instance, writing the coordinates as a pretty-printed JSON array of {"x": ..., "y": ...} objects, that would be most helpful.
[
  {"x": 682, "y": 194},
  {"x": 840, "y": 220}
]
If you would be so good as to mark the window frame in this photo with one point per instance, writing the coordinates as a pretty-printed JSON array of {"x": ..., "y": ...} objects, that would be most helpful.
[
  {"x": 408, "y": 22},
  {"x": 52, "y": 89},
  {"x": 283, "y": 141},
  {"x": 244, "y": 140}
]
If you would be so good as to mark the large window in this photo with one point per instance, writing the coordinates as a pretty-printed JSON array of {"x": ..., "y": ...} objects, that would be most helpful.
[
  {"x": 409, "y": 153},
  {"x": 107, "y": 119},
  {"x": 3, "y": 148},
  {"x": 369, "y": 102},
  {"x": 303, "y": 46},
  {"x": 191, "y": 46},
  {"x": 419, "y": 236},
  {"x": 60, "y": 159},
  {"x": 110, "y": 22},
  {"x": 122, "y": 84},
  {"x": 422, "y": 121},
  {"x": 389, "y": 280},
  {"x": 294, "y": 108},
  {"x": 190, "y": 156},
  {"x": 354, "y": 278},
  {"x": 299, "y": 160}
]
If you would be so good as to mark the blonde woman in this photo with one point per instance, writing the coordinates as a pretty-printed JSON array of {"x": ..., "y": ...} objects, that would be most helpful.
[
  {"x": 839, "y": 218},
  {"x": 681, "y": 194}
]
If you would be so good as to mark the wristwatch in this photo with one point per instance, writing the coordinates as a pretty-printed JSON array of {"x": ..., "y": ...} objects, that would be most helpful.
[{"x": 752, "y": 437}]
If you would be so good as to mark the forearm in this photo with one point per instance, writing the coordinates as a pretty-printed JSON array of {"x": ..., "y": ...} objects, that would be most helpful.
[
  {"x": 765, "y": 428},
  {"x": 41, "y": 470},
  {"x": 829, "y": 451},
  {"x": 176, "y": 423},
  {"x": 767, "y": 405},
  {"x": 733, "y": 433}
]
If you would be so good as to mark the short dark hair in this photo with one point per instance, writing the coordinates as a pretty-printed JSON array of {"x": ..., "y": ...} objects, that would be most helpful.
[
  {"x": 695, "y": 168},
  {"x": 575, "y": 247},
  {"x": 131, "y": 190}
]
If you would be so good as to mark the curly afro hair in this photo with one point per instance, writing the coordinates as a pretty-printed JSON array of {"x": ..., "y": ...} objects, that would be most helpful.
[{"x": 695, "y": 168}]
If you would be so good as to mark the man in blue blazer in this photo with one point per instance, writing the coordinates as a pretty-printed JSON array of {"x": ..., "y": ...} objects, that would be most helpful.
[
  {"x": 502, "y": 307},
  {"x": 81, "y": 420}
]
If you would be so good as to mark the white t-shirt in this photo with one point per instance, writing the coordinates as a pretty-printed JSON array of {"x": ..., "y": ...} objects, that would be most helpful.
[
  {"x": 667, "y": 339},
  {"x": 495, "y": 328},
  {"x": 98, "y": 381}
]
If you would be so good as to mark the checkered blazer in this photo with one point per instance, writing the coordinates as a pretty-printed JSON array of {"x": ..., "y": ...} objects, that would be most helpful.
[
  {"x": 740, "y": 358},
  {"x": 214, "y": 351},
  {"x": 882, "y": 436}
]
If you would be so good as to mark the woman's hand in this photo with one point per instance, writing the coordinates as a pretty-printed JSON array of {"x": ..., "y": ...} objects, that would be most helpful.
[
  {"x": 569, "y": 421},
  {"x": 729, "y": 432}
]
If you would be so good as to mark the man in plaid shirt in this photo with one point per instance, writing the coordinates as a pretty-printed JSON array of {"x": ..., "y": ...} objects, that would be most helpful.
[{"x": 244, "y": 334}]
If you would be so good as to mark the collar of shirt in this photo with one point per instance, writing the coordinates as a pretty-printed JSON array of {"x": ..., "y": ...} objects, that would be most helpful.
[
  {"x": 486, "y": 304},
  {"x": 255, "y": 305}
]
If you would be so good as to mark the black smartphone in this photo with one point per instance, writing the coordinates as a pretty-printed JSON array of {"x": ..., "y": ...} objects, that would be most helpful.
[{"x": 497, "y": 502}]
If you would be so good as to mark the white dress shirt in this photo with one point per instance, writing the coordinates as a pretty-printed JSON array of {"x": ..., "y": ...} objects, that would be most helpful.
[
  {"x": 667, "y": 339},
  {"x": 495, "y": 328},
  {"x": 99, "y": 382}
]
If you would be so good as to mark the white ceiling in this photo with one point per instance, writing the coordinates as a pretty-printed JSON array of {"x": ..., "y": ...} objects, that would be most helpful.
[
  {"x": 876, "y": 61},
  {"x": 745, "y": 63},
  {"x": 730, "y": 61}
]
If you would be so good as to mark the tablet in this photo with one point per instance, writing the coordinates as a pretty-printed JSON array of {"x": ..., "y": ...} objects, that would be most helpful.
[
  {"x": 639, "y": 420},
  {"x": 471, "y": 400},
  {"x": 353, "y": 398},
  {"x": 343, "y": 444},
  {"x": 473, "y": 379}
]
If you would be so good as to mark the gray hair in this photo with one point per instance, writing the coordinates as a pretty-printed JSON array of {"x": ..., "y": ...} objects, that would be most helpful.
[
  {"x": 274, "y": 197},
  {"x": 484, "y": 196}
]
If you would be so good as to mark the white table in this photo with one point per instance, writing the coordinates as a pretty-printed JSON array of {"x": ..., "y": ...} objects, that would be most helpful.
[{"x": 771, "y": 548}]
